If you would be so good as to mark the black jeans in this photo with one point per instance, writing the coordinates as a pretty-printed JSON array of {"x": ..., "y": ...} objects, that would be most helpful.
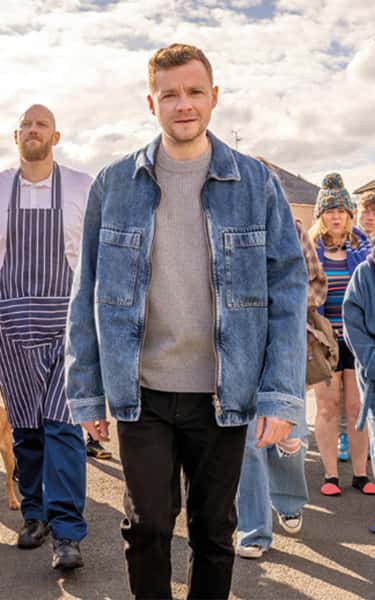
[{"x": 179, "y": 430}]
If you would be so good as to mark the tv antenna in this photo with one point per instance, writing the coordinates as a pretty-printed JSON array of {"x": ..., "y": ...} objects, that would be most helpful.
[{"x": 237, "y": 138}]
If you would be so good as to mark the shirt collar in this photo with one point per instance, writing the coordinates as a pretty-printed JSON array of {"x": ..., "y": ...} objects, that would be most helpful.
[{"x": 44, "y": 183}]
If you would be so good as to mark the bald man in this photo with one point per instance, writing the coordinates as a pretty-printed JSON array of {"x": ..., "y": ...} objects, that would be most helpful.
[{"x": 41, "y": 213}]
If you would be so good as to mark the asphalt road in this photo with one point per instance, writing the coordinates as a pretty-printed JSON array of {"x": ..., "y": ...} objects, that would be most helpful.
[{"x": 332, "y": 558}]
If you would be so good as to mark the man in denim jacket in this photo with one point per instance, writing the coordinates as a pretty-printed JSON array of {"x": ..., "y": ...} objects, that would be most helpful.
[{"x": 186, "y": 355}]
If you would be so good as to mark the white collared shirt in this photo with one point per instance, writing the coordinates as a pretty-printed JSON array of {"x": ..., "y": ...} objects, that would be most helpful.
[
  {"x": 75, "y": 186},
  {"x": 36, "y": 194}
]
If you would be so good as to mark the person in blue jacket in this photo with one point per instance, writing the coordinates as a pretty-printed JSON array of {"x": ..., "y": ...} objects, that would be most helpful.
[
  {"x": 274, "y": 477},
  {"x": 190, "y": 280},
  {"x": 359, "y": 333},
  {"x": 340, "y": 248},
  {"x": 365, "y": 218}
]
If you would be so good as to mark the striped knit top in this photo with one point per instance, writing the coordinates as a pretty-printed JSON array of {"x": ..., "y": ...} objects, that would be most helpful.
[{"x": 338, "y": 276}]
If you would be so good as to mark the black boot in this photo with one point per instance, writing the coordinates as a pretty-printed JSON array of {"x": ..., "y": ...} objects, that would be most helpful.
[
  {"x": 32, "y": 534},
  {"x": 66, "y": 555}
]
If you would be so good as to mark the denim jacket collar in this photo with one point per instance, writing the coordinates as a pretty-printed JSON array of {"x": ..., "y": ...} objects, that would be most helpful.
[{"x": 223, "y": 165}]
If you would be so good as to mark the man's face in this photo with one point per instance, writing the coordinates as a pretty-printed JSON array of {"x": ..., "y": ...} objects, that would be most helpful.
[
  {"x": 182, "y": 101},
  {"x": 366, "y": 219},
  {"x": 36, "y": 134}
]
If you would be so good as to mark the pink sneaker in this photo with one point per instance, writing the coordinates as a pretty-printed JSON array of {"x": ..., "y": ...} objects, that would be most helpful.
[
  {"x": 363, "y": 484},
  {"x": 330, "y": 487}
]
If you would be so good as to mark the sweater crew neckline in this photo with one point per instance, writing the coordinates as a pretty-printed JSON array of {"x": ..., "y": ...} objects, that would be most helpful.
[{"x": 166, "y": 163}]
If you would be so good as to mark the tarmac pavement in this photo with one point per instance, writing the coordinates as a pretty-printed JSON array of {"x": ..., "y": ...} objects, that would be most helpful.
[{"x": 332, "y": 557}]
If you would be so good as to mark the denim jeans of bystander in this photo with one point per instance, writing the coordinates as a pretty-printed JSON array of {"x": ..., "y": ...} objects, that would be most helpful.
[{"x": 268, "y": 480}]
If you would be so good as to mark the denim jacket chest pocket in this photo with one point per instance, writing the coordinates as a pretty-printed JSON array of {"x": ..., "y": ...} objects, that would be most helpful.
[
  {"x": 117, "y": 266},
  {"x": 245, "y": 268}
]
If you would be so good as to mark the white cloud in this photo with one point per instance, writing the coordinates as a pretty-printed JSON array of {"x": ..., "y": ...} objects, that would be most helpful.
[
  {"x": 362, "y": 66},
  {"x": 297, "y": 86}
]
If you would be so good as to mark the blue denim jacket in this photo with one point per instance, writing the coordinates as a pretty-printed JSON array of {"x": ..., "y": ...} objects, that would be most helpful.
[
  {"x": 259, "y": 287},
  {"x": 359, "y": 334}
]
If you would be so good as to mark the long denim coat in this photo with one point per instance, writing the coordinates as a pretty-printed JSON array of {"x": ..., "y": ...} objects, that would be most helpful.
[{"x": 359, "y": 334}]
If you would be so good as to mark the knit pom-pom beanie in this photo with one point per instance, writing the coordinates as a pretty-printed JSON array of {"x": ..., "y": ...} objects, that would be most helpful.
[{"x": 333, "y": 194}]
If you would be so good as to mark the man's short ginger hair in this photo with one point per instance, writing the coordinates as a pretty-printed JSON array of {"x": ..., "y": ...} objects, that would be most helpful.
[
  {"x": 366, "y": 200},
  {"x": 175, "y": 55}
]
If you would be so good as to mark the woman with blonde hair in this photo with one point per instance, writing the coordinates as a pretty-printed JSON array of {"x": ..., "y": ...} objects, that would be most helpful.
[{"x": 340, "y": 248}]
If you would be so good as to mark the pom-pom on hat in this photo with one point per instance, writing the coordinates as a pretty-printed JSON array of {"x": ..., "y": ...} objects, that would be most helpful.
[{"x": 333, "y": 194}]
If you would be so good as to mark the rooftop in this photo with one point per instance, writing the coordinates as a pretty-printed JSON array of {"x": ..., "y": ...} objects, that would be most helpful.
[
  {"x": 365, "y": 188},
  {"x": 296, "y": 188}
]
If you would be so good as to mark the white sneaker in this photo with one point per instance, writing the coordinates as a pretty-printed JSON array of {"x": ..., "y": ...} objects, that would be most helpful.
[
  {"x": 250, "y": 551},
  {"x": 292, "y": 524}
]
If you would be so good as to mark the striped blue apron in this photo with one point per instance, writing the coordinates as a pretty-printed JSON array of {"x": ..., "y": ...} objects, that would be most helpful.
[{"x": 35, "y": 284}]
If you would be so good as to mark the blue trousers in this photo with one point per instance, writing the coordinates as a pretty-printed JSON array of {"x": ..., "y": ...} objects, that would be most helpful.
[
  {"x": 268, "y": 480},
  {"x": 52, "y": 476}
]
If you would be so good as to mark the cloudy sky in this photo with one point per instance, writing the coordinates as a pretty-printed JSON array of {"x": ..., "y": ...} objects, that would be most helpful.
[{"x": 297, "y": 77}]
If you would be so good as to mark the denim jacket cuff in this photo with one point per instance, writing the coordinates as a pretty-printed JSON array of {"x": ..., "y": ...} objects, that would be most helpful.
[
  {"x": 84, "y": 410},
  {"x": 370, "y": 371},
  {"x": 283, "y": 406}
]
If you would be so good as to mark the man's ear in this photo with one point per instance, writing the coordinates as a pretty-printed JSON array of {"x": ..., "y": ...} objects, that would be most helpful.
[
  {"x": 151, "y": 104},
  {"x": 215, "y": 96},
  {"x": 56, "y": 138}
]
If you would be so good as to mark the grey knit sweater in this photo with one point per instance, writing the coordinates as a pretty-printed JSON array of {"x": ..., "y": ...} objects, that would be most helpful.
[{"x": 178, "y": 351}]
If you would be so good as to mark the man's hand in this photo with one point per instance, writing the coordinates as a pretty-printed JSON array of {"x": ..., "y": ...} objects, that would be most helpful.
[
  {"x": 98, "y": 429},
  {"x": 271, "y": 430}
]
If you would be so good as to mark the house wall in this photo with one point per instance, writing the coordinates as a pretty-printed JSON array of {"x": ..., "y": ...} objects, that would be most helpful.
[{"x": 304, "y": 212}]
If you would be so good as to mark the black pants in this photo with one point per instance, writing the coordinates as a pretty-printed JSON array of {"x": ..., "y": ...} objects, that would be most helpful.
[{"x": 174, "y": 431}]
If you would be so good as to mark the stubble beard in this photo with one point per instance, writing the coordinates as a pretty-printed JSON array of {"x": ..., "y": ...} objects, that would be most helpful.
[
  {"x": 182, "y": 140},
  {"x": 35, "y": 154}
]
